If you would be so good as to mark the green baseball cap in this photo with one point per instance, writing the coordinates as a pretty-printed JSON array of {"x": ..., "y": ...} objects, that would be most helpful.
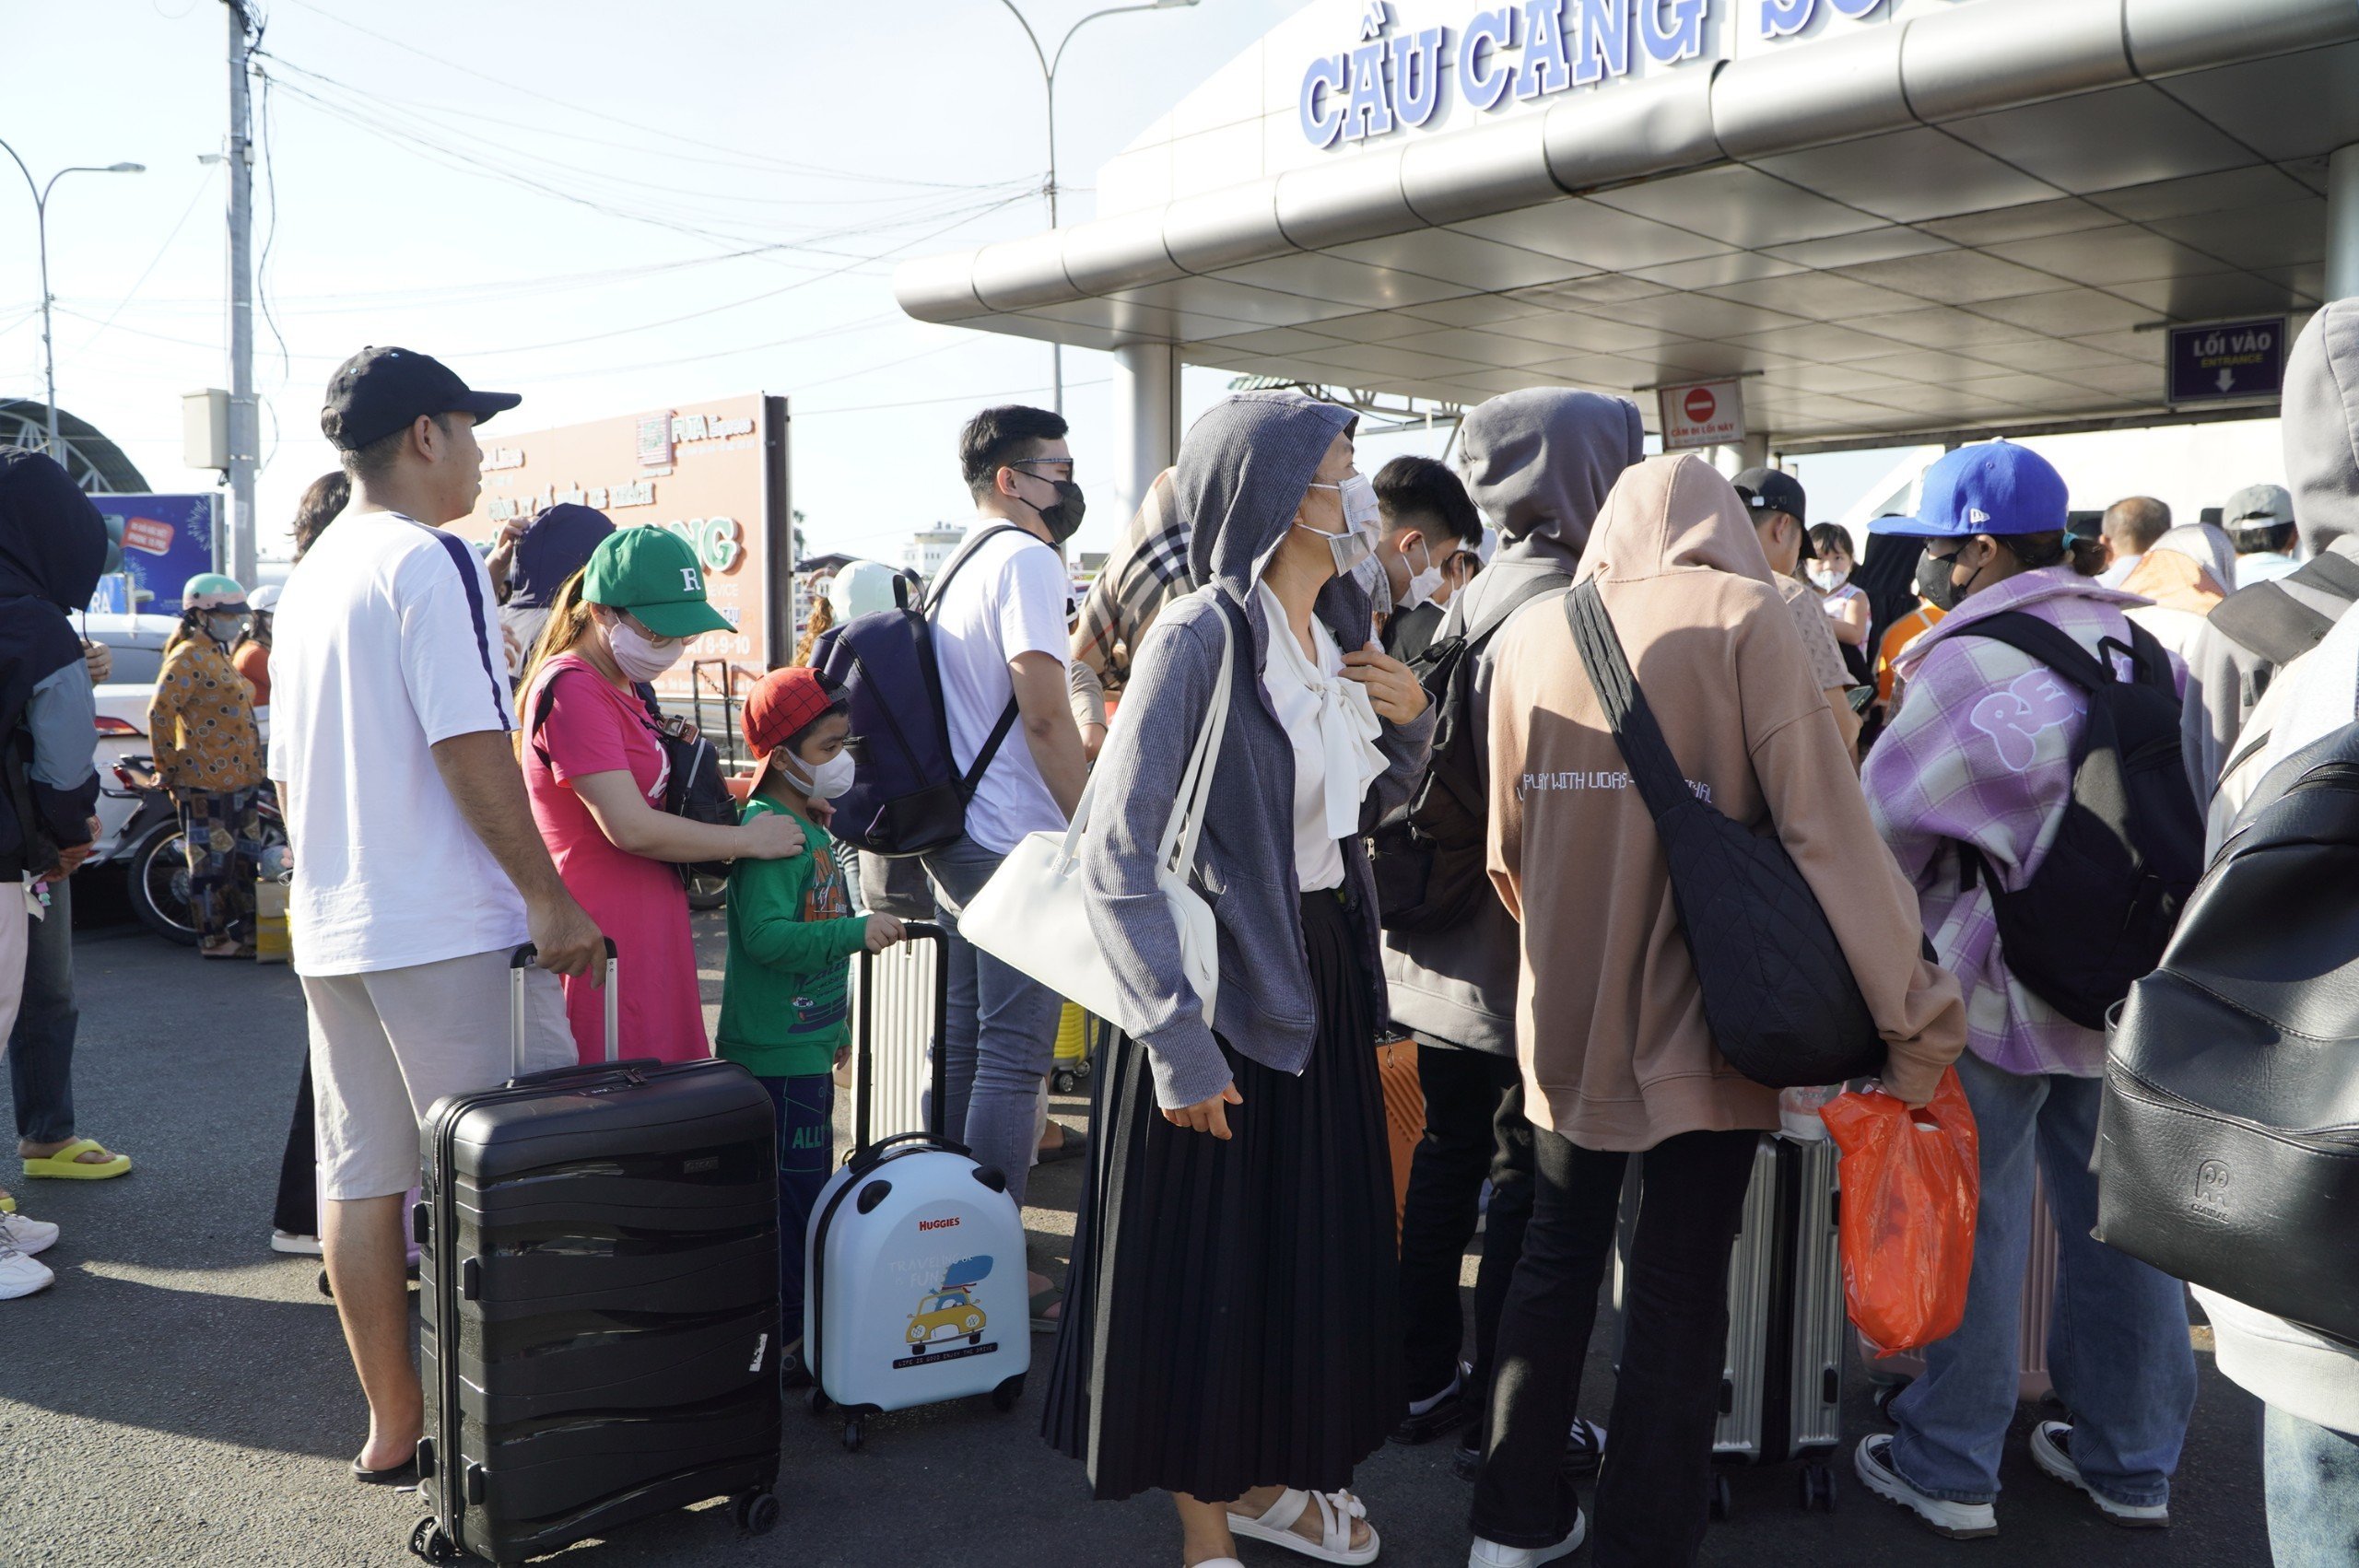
[{"x": 651, "y": 573}]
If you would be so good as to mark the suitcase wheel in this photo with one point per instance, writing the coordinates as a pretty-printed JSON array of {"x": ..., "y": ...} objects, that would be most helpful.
[
  {"x": 1818, "y": 1489},
  {"x": 428, "y": 1544},
  {"x": 852, "y": 1434},
  {"x": 756, "y": 1513},
  {"x": 1885, "y": 1394},
  {"x": 1003, "y": 1398},
  {"x": 1723, "y": 1496},
  {"x": 1063, "y": 1080},
  {"x": 819, "y": 1402}
]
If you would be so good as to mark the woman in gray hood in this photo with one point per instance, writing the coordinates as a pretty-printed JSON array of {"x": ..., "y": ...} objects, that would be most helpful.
[{"x": 1229, "y": 1333}]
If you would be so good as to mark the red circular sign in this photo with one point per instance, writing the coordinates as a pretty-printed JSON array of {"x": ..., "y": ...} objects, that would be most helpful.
[{"x": 1700, "y": 405}]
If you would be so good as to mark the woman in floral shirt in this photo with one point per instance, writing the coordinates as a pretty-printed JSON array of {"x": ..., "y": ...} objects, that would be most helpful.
[{"x": 208, "y": 754}]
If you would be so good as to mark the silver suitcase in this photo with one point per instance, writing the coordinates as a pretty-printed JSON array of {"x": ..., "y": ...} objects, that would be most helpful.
[{"x": 1781, "y": 1382}]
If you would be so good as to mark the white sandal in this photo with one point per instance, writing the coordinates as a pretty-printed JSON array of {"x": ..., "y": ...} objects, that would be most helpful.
[{"x": 1337, "y": 1512}]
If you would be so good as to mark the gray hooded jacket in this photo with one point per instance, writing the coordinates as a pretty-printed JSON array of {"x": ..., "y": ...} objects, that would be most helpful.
[
  {"x": 1243, "y": 470},
  {"x": 2226, "y": 677},
  {"x": 1539, "y": 463}
]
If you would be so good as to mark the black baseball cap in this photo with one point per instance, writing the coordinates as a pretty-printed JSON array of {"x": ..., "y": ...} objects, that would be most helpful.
[
  {"x": 1775, "y": 490},
  {"x": 379, "y": 390}
]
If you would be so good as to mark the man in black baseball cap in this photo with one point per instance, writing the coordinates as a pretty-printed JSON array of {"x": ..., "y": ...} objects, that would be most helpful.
[
  {"x": 1774, "y": 501},
  {"x": 380, "y": 393}
]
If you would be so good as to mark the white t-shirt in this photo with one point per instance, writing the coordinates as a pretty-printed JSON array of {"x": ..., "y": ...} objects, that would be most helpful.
[
  {"x": 1008, "y": 599},
  {"x": 385, "y": 643}
]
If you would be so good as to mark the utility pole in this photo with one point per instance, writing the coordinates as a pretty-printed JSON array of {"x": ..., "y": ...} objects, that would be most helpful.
[{"x": 245, "y": 425}]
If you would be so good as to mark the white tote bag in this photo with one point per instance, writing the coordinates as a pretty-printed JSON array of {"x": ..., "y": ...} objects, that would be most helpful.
[{"x": 1032, "y": 916}]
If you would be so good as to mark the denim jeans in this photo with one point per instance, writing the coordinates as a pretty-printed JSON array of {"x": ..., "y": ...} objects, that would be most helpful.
[
  {"x": 2117, "y": 1345},
  {"x": 1003, "y": 1030},
  {"x": 2310, "y": 1474},
  {"x": 40, "y": 1046},
  {"x": 1475, "y": 1128},
  {"x": 1652, "y": 1493},
  {"x": 806, "y": 1108}
]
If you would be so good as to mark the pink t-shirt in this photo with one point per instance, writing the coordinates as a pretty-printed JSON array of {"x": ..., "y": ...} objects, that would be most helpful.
[{"x": 592, "y": 726}]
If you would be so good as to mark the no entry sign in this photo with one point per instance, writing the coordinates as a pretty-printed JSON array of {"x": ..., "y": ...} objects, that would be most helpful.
[{"x": 1703, "y": 414}]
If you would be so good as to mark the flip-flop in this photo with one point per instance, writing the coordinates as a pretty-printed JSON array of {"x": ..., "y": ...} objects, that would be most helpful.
[
  {"x": 66, "y": 1164},
  {"x": 7, "y": 1204},
  {"x": 1075, "y": 1147},
  {"x": 1041, "y": 1302}
]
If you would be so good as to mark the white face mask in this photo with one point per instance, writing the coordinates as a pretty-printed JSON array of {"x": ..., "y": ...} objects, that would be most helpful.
[
  {"x": 639, "y": 659},
  {"x": 828, "y": 780},
  {"x": 1829, "y": 578},
  {"x": 1422, "y": 585},
  {"x": 1356, "y": 544}
]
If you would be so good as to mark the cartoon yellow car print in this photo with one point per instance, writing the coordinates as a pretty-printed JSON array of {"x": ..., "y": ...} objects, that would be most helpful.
[{"x": 947, "y": 1314}]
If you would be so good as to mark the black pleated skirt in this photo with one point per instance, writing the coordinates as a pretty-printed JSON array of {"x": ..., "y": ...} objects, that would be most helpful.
[{"x": 1231, "y": 1319}]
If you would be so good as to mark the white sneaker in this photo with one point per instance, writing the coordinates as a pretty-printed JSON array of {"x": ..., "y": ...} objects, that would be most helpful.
[
  {"x": 2051, "y": 1451},
  {"x": 1959, "y": 1521},
  {"x": 300, "y": 1246},
  {"x": 28, "y": 1237},
  {"x": 20, "y": 1275},
  {"x": 1491, "y": 1554}
]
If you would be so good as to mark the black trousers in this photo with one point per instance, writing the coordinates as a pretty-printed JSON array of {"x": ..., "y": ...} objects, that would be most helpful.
[
  {"x": 1475, "y": 1128},
  {"x": 1652, "y": 1493},
  {"x": 296, "y": 1211}
]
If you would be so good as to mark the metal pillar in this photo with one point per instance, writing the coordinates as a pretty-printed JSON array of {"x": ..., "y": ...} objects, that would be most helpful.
[
  {"x": 2342, "y": 224},
  {"x": 1146, "y": 420},
  {"x": 245, "y": 427}
]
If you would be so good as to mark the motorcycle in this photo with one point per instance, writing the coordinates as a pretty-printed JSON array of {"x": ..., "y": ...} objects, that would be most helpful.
[{"x": 154, "y": 853}]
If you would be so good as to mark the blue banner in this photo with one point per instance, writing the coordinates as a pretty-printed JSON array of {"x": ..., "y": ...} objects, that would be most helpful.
[{"x": 166, "y": 541}]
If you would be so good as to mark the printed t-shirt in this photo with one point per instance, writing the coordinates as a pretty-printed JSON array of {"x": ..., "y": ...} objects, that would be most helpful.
[{"x": 792, "y": 935}]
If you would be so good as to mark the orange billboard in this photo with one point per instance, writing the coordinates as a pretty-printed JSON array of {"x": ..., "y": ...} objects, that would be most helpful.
[{"x": 715, "y": 474}]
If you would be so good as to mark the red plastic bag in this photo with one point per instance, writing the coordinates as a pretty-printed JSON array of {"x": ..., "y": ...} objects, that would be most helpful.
[{"x": 1911, "y": 1182}]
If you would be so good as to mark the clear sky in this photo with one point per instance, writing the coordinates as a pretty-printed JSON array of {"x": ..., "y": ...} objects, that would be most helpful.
[{"x": 610, "y": 206}]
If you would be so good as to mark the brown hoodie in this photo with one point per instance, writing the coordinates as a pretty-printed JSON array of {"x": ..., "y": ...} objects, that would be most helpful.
[{"x": 1610, "y": 1023}]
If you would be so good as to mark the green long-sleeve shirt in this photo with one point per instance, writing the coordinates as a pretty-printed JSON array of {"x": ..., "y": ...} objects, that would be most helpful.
[{"x": 792, "y": 935}]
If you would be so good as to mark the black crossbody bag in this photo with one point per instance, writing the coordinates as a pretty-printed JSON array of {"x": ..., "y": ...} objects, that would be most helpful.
[{"x": 1779, "y": 993}]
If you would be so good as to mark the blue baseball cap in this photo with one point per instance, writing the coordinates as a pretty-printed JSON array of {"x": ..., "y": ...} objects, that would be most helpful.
[{"x": 1994, "y": 487}]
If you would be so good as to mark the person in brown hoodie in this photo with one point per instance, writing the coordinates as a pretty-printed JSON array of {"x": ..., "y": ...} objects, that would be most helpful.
[{"x": 1616, "y": 1055}]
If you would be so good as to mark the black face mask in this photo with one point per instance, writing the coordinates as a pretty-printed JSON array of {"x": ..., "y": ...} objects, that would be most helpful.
[
  {"x": 1937, "y": 587},
  {"x": 1064, "y": 518}
]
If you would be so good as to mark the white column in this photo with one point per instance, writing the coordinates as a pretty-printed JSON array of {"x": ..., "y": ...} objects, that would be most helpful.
[
  {"x": 2342, "y": 224},
  {"x": 1146, "y": 421}
]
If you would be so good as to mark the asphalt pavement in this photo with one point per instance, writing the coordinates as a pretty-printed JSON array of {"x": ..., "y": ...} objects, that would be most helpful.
[{"x": 182, "y": 1396}]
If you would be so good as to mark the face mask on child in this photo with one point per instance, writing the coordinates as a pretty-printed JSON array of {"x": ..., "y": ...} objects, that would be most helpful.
[
  {"x": 1828, "y": 579},
  {"x": 825, "y": 782}
]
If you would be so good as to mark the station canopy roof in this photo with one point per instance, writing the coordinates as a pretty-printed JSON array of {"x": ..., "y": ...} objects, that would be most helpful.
[{"x": 1907, "y": 217}]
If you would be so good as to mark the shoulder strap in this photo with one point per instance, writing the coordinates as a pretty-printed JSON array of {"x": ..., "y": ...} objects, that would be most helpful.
[
  {"x": 2336, "y": 573},
  {"x": 2051, "y": 646},
  {"x": 1652, "y": 767},
  {"x": 964, "y": 554},
  {"x": 2266, "y": 620},
  {"x": 1497, "y": 616}
]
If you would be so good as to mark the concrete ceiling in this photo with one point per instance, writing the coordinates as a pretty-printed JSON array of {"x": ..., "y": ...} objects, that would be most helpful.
[{"x": 1975, "y": 219}]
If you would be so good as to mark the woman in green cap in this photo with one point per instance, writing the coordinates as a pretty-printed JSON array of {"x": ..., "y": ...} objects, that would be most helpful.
[
  {"x": 208, "y": 754},
  {"x": 595, "y": 769}
]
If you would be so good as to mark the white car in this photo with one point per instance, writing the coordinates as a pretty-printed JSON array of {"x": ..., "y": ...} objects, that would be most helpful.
[{"x": 137, "y": 644}]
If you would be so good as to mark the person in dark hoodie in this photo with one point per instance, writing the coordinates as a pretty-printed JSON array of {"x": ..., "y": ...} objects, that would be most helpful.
[
  {"x": 1229, "y": 1334},
  {"x": 2259, "y": 628},
  {"x": 53, "y": 548},
  {"x": 1538, "y": 463}
]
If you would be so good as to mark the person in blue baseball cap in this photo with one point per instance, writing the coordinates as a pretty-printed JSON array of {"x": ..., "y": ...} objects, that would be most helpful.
[{"x": 1970, "y": 786}]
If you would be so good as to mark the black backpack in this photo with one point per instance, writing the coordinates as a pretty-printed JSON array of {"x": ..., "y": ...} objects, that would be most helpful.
[
  {"x": 1429, "y": 856},
  {"x": 2097, "y": 914},
  {"x": 2228, "y": 1144},
  {"x": 1779, "y": 993}
]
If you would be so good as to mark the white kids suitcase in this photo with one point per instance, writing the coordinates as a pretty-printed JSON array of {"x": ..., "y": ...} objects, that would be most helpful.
[{"x": 914, "y": 1266}]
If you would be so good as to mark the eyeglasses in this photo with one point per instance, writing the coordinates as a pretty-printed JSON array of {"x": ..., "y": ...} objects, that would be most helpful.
[
  {"x": 642, "y": 629},
  {"x": 1063, "y": 462}
]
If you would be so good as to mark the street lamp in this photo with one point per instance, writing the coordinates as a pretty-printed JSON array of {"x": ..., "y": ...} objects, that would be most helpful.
[
  {"x": 1049, "y": 63},
  {"x": 41, "y": 225}
]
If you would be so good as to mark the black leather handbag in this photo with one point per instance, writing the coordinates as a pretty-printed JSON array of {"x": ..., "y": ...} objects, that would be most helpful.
[
  {"x": 1779, "y": 993},
  {"x": 2228, "y": 1143}
]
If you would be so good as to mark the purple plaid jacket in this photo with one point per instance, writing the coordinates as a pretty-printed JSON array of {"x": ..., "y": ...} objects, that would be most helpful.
[{"x": 1980, "y": 751}]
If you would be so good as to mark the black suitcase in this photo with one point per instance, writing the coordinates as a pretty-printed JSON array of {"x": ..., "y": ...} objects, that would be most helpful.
[{"x": 599, "y": 1285}]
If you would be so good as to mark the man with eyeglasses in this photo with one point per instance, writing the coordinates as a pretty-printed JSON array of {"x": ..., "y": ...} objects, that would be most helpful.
[{"x": 1001, "y": 642}]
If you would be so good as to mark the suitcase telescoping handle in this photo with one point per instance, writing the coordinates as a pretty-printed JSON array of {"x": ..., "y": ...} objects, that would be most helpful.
[
  {"x": 863, "y": 1034},
  {"x": 522, "y": 959}
]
